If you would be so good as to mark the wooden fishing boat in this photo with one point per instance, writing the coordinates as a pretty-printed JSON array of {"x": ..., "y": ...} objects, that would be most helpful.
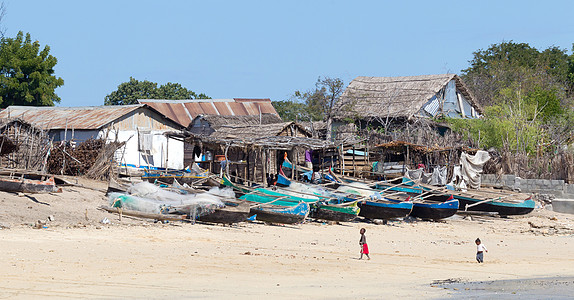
[
  {"x": 272, "y": 206},
  {"x": 115, "y": 186},
  {"x": 233, "y": 212},
  {"x": 330, "y": 206},
  {"x": 505, "y": 203},
  {"x": 139, "y": 214},
  {"x": 320, "y": 204},
  {"x": 428, "y": 194},
  {"x": 280, "y": 215},
  {"x": 236, "y": 186},
  {"x": 494, "y": 203},
  {"x": 384, "y": 209},
  {"x": 334, "y": 212},
  {"x": 433, "y": 210},
  {"x": 375, "y": 204},
  {"x": 22, "y": 184}
]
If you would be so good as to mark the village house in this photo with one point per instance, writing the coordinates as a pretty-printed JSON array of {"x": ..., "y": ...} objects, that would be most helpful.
[
  {"x": 407, "y": 109},
  {"x": 184, "y": 111},
  {"x": 140, "y": 126},
  {"x": 253, "y": 147},
  {"x": 213, "y": 133},
  {"x": 381, "y": 101},
  {"x": 208, "y": 124}
]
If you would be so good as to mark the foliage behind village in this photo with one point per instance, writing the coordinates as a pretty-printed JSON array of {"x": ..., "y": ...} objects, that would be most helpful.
[{"x": 526, "y": 94}]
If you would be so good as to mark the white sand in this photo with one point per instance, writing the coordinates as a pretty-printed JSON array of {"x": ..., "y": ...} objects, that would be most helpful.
[{"x": 78, "y": 258}]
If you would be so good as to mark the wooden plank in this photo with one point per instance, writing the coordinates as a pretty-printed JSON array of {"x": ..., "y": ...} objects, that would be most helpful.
[{"x": 140, "y": 214}]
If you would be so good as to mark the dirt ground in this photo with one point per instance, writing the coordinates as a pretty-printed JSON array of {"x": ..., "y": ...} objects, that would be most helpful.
[{"x": 76, "y": 256}]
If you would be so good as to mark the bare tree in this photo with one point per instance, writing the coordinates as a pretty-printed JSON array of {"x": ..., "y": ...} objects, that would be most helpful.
[
  {"x": 2, "y": 16},
  {"x": 323, "y": 101}
]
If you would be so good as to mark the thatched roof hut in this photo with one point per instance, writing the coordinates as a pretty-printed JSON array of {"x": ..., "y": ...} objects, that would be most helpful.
[
  {"x": 407, "y": 97},
  {"x": 218, "y": 120},
  {"x": 253, "y": 151},
  {"x": 251, "y": 143},
  {"x": 208, "y": 124},
  {"x": 244, "y": 127},
  {"x": 260, "y": 131}
]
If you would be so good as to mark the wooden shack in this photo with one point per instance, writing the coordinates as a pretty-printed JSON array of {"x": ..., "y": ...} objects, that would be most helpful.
[
  {"x": 140, "y": 126},
  {"x": 394, "y": 158},
  {"x": 252, "y": 151},
  {"x": 22, "y": 145}
]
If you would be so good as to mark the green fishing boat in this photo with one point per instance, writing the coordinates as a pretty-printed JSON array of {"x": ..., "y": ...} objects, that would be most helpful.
[
  {"x": 335, "y": 212},
  {"x": 320, "y": 207}
]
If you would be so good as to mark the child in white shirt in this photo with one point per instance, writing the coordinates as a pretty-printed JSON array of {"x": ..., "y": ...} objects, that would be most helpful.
[{"x": 480, "y": 249}]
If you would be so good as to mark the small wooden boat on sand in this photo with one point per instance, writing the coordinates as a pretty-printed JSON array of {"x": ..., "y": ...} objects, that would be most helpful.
[
  {"x": 384, "y": 209},
  {"x": 281, "y": 215},
  {"x": 505, "y": 203},
  {"x": 272, "y": 206},
  {"x": 21, "y": 184},
  {"x": 433, "y": 210},
  {"x": 335, "y": 212},
  {"x": 233, "y": 212}
]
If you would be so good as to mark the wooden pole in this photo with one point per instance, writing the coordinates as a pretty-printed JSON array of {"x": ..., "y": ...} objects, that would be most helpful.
[
  {"x": 140, "y": 214},
  {"x": 354, "y": 167},
  {"x": 365, "y": 154},
  {"x": 264, "y": 167},
  {"x": 254, "y": 178},
  {"x": 295, "y": 163},
  {"x": 246, "y": 156},
  {"x": 166, "y": 152},
  {"x": 323, "y": 159},
  {"x": 342, "y": 157}
]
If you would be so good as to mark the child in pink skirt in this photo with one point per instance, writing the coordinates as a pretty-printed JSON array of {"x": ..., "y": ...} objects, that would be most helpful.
[{"x": 363, "y": 244}]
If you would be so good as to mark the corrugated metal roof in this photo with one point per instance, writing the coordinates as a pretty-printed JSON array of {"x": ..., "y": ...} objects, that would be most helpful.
[
  {"x": 183, "y": 111},
  {"x": 87, "y": 117}
]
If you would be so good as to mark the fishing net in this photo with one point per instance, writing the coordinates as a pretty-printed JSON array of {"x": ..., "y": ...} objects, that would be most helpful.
[{"x": 147, "y": 197}]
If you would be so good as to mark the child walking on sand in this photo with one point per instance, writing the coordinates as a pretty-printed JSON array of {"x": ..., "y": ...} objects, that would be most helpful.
[
  {"x": 480, "y": 249},
  {"x": 363, "y": 244}
]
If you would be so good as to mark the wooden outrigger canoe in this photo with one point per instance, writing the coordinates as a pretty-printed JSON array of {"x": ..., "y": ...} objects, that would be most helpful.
[
  {"x": 335, "y": 212},
  {"x": 494, "y": 203},
  {"x": 280, "y": 215},
  {"x": 433, "y": 210},
  {"x": 384, "y": 209},
  {"x": 25, "y": 185},
  {"x": 231, "y": 213},
  {"x": 329, "y": 204},
  {"x": 504, "y": 203}
]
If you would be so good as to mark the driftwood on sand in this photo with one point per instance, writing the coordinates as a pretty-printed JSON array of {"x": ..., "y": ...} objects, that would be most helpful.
[{"x": 139, "y": 214}]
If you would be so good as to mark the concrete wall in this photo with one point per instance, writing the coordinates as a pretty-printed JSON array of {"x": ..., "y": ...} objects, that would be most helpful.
[{"x": 558, "y": 188}]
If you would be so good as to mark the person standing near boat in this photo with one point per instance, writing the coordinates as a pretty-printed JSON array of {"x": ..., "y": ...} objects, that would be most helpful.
[
  {"x": 480, "y": 249},
  {"x": 363, "y": 244}
]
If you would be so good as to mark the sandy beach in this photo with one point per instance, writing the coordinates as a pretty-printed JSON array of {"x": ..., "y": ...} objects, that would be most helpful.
[{"x": 76, "y": 256}]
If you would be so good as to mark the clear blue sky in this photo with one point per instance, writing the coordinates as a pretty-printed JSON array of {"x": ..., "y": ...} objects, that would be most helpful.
[{"x": 269, "y": 49}]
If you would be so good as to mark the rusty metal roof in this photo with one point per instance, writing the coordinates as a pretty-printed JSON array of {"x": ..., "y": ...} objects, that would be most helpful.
[
  {"x": 88, "y": 117},
  {"x": 183, "y": 111}
]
